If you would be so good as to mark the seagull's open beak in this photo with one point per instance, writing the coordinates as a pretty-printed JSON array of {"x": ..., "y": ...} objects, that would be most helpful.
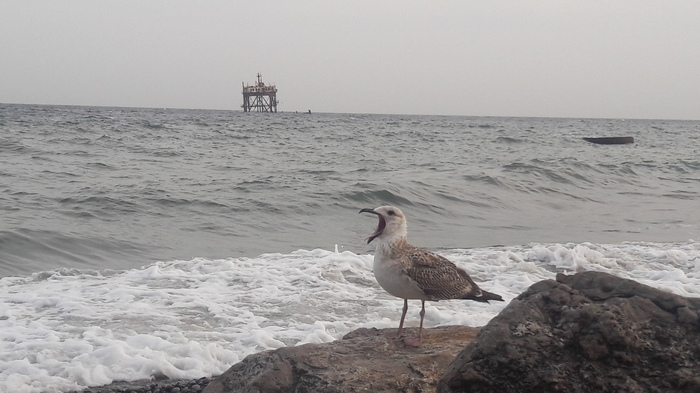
[{"x": 380, "y": 226}]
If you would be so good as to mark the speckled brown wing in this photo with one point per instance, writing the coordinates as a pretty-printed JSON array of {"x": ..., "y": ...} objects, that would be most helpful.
[{"x": 439, "y": 278}]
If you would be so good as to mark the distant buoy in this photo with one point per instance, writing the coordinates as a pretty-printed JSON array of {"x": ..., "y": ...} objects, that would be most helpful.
[{"x": 613, "y": 140}]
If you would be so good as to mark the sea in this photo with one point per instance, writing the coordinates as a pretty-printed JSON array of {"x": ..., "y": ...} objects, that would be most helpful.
[{"x": 172, "y": 243}]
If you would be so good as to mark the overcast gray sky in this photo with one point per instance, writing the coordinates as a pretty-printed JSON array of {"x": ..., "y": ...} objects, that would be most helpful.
[{"x": 589, "y": 58}]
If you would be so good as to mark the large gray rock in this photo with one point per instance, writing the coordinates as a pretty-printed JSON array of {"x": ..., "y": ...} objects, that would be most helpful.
[
  {"x": 590, "y": 332},
  {"x": 365, "y": 360}
]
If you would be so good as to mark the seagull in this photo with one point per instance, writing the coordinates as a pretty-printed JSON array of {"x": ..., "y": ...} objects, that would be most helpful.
[{"x": 409, "y": 272}]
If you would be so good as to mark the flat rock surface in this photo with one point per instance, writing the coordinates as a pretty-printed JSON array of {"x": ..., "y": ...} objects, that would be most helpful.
[
  {"x": 365, "y": 360},
  {"x": 590, "y": 332}
]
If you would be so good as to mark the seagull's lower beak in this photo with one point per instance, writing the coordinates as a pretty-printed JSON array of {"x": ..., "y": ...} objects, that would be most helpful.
[{"x": 380, "y": 226}]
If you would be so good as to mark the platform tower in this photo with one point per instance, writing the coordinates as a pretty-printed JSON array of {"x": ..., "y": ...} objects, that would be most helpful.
[{"x": 259, "y": 97}]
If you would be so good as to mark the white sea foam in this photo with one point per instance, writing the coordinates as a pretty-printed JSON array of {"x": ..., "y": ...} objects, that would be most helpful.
[{"x": 69, "y": 329}]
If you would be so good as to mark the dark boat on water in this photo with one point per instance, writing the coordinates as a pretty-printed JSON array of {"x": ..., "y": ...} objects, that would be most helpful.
[{"x": 614, "y": 140}]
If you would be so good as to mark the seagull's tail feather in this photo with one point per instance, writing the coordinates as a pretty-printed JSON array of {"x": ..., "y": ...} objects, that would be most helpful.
[{"x": 485, "y": 297}]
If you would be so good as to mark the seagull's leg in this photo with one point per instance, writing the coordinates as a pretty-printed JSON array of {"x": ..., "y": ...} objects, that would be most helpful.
[
  {"x": 416, "y": 342},
  {"x": 403, "y": 316}
]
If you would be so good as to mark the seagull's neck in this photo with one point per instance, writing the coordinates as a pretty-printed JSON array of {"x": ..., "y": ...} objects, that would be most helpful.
[{"x": 390, "y": 244}]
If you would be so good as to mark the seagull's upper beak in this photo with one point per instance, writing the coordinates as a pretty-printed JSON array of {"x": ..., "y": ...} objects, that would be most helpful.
[{"x": 380, "y": 226}]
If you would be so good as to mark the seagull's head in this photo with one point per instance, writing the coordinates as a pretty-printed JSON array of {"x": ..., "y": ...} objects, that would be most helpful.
[{"x": 392, "y": 223}]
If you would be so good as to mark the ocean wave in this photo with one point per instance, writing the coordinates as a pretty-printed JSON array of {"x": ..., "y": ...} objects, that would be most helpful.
[
  {"x": 377, "y": 196},
  {"x": 23, "y": 251},
  {"x": 181, "y": 183},
  {"x": 102, "y": 206}
]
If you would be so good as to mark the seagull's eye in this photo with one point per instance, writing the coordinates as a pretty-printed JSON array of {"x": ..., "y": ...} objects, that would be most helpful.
[{"x": 390, "y": 212}]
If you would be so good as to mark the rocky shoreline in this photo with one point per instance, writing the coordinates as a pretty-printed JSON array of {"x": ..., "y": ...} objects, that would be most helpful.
[{"x": 590, "y": 332}]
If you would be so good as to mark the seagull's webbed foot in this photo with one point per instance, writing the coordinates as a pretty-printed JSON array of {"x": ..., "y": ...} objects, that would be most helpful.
[
  {"x": 413, "y": 341},
  {"x": 395, "y": 336}
]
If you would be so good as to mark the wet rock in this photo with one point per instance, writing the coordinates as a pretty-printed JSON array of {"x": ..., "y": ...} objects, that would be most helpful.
[
  {"x": 147, "y": 386},
  {"x": 365, "y": 360},
  {"x": 590, "y": 332}
]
